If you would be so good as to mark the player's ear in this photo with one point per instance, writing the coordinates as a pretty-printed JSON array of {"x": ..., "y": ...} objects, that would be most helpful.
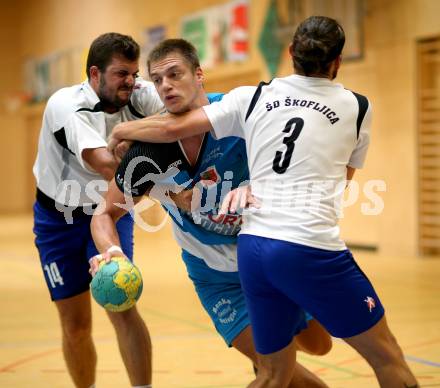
[
  {"x": 291, "y": 49},
  {"x": 94, "y": 73},
  {"x": 199, "y": 75}
]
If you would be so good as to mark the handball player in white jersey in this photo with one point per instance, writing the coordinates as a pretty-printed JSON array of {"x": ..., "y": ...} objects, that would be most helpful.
[
  {"x": 305, "y": 136},
  {"x": 71, "y": 171}
]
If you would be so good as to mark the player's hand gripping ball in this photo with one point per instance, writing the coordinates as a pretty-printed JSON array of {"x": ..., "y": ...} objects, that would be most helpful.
[{"x": 117, "y": 285}]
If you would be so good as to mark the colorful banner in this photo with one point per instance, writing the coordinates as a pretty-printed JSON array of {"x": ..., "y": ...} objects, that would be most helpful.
[
  {"x": 238, "y": 31},
  {"x": 195, "y": 29},
  {"x": 43, "y": 76},
  {"x": 220, "y": 34},
  {"x": 270, "y": 44}
]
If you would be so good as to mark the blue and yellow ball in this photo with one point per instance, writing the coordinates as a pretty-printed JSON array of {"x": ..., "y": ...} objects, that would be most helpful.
[{"x": 117, "y": 285}]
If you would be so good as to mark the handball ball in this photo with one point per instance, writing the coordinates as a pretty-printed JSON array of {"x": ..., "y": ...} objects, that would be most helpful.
[{"x": 117, "y": 285}]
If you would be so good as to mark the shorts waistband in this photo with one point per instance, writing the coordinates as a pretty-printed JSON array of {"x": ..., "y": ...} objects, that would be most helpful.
[{"x": 50, "y": 204}]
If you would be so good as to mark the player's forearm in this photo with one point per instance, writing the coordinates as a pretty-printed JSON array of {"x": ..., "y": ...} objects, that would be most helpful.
[
  {"x": 107, "y": 166},
  {"x": 104, "y": 232},
  {"x": 350, "y": 173},
  {"x": 102, "y": 161},
  {"x": 164, "y": 128},
  {"x": 142, "y": 130},
  {"x": 108, "y": 171}
]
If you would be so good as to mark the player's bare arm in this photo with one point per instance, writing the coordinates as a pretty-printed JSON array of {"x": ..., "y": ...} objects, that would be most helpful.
[
  {"x": 121, "y": 149},
  {"x": 162, "y": 128},
  {"x": 103, "y": 224},
  {"x": 350, "y": 173},
  {"x": 110, "y": 210},
  {"x": 102, "y": 161},
  {"x": 106, "y": 215}
]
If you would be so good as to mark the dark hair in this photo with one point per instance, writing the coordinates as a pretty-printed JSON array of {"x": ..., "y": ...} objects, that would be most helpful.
[
  {"x": 105, "y": 46},
  {"x": 318, "y": 40},
  {"x": 168, "y": 46}
]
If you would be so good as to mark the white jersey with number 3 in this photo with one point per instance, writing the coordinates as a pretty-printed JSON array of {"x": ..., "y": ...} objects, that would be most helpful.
[{"x": 301, "y": 134}]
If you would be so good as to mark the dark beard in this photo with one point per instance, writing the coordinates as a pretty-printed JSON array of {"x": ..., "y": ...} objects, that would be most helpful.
[{"x": 109, "y": 104}]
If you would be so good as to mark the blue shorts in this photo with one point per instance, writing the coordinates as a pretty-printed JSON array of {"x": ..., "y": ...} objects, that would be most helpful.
[
  {"x": 279, "y": 278},
  {"x": 65, "y": 249},
  {"x": 222, "y": 297}
]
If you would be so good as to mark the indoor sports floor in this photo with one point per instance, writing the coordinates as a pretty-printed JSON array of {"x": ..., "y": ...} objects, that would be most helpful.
[{"x": 187, "y": 351}]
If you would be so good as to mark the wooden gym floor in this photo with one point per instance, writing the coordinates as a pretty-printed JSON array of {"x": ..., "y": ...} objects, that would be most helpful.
[{"x": 187, "y": 351}]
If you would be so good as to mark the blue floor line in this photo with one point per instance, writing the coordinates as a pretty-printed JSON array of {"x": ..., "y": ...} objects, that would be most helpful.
[{"x": 422, "y": 361}]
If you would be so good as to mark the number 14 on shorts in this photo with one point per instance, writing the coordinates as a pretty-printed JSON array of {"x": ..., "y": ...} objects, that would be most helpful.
[{"x": 53, "y": 274}]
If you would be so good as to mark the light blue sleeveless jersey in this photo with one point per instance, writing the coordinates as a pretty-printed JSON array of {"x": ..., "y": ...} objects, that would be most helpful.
[{"x": 221, "y": 167}]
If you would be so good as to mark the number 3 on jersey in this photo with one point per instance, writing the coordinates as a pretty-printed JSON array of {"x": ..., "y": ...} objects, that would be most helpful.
[{"x": 280, "y": 166}]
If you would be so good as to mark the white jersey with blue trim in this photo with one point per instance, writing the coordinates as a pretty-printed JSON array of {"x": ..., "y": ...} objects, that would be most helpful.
[
  {"x": 73, "y": 121},
  {"x": 301, "y": 134}
]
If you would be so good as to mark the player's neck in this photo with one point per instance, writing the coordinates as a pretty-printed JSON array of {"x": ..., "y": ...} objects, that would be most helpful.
[
  {"x": 331, "y": 73},
  {"x": 193, "y": 144},
  {"x": 315, "y": 75},
  {"x": 200, "y": 100}
]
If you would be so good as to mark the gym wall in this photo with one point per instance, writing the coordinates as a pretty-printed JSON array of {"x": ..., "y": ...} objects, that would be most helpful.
[{"x": 386, "y": 74}]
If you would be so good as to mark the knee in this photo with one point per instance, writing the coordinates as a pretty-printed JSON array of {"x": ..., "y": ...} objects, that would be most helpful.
[
  {"x": 76, "y": 329},
  {"x": 125, "y": 320},
  {"x": 317, "y": 346},
  {"x": 314, "y": 339},
  {"x": 320, "y": 348}
]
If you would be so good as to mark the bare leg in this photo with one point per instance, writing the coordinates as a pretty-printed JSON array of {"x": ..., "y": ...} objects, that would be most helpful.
[
  {"x": 314, "y": 339},
  {"x": 302, "y": 378},
  {"x": 78, "y": 348},
  {"x": 379, "y": 347},
  {"x": 134, "y": 344},
  {"x": 244, "y": 343},
  {"x": 276, "y": 369}
]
